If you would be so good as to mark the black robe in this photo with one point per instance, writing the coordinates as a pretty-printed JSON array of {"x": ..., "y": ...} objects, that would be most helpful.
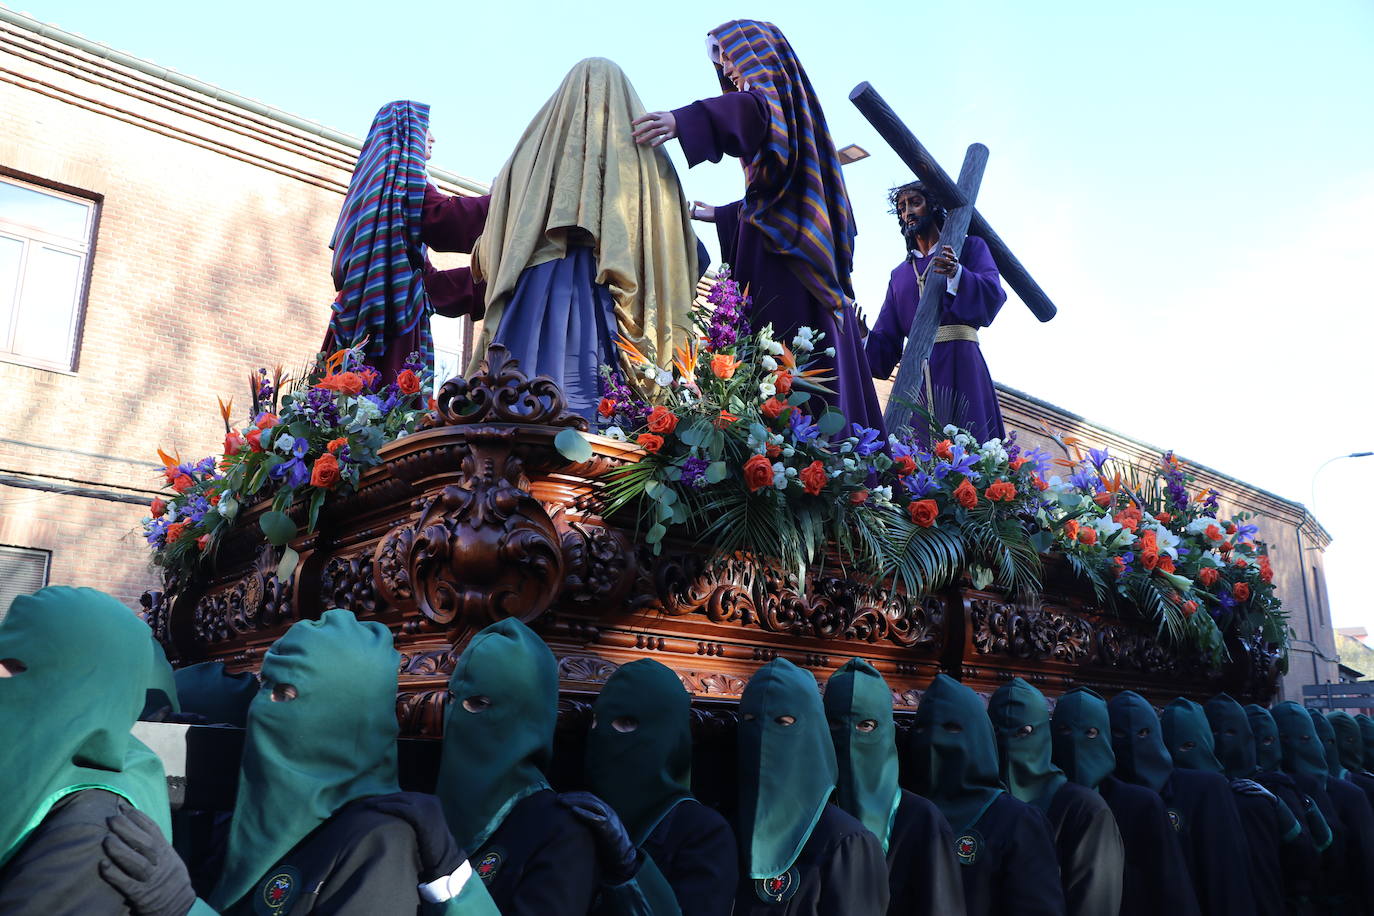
[
  {"x": 1156, "y": 878},
  {"x": 541, "y": 861},
  {"x": 1365, "y": 781},
  {"x": 1265, "y": 833},
  {"x": 1299, "y": 859},
  {"x": 1204, "y": 809},
  {"x": 55, "y": 871},
  {"x": 1013, "y": 871},
  {"x": 923, "y": 872},
  {"x": 1357, "y": 822},
  {"x": 1089, "y": 847},
  {"x": 692, "y": 851},
  {"x": 841, "y": 870}
]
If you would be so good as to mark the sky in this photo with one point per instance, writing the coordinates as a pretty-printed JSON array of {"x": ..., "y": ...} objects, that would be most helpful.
[{"x": 1191, "y": 183}]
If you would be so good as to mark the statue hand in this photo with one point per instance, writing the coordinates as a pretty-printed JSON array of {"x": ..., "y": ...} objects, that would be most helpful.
[
  {"x": 946, "y": 262},
  {"x": 655, "y": 128},
  {"x": 703, "y": 212}
]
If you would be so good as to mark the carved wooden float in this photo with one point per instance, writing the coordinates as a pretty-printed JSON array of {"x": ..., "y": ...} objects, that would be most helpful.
[{"x": 478, "y": 517}]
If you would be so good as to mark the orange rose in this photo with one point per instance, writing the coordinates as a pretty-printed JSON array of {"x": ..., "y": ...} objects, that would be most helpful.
[
  {"x": 650, "y": 443},
  {"x": 1149, "y": 540},
  {"x": 773, "y": 408},
  {"x": 1213, "y": 533},
  {"x": 1266, "y": 571},
  {"x": 772, "y": 450},
  {"x": 233, "y": 443},
  {"x": 1189, "y": 608},
  {"x": 1016, "y": 462},
  {"x": 1149, "y": 559},
  {"x": 1164, "y": 518},
  {"x": 606, "y": 407},
  {"x": 252, "y": 437},
  {"x": 176, "y": 530},
  {"x": 924, "y": 512},
  {"x": 1241, "y": 591},
  {"x": 268, "y": 421},
  {"x": 182, "y": 483},
  {"x": 1207, "y": 575},
  {"x": 813, "y": 477},
  {"x": 325, "y": 472},
  {"x": 1166, "y": 564},
  {"x": 662, "y": 421},
  {"x": 1041, "y": 483},
  {"x": 858, "y": 497},
  {"x": 1004, "y": 490},
  {"x": 158, "y": 508},
  {"x": 723, "y": 365},
  {"x": 782, "y": 382},
  {"x": 966, "y": 495},
  {"x": 1071, "y": 530},
  {"x": 1118, "y": 566},
  {"x": 1103, "y": 499},
  {"x": 336, "y": 444},
  {"x": 1088, "y": 537},
  {"x": 758, "y": 473},
  {"x": 904, "y": 465},
  {"x": 943, "y": 450},
  {"x": 351, "y": 383},
  {"x": 407, "y": 382}
]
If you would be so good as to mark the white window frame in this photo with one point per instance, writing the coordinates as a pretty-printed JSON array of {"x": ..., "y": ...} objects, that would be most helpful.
[{"x": 31, "y": 237}]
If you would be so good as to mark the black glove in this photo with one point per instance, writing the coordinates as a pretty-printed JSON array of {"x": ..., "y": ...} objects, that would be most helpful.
[
  {"x": 142, "y": 866},
  {"x": 439, "y": 854},
  {"x": 620, "y": 860},
  {"x": 1250, "y": 787}
]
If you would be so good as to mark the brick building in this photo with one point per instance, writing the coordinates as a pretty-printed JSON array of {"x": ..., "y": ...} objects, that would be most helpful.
[{"x": 163, "y": 236}]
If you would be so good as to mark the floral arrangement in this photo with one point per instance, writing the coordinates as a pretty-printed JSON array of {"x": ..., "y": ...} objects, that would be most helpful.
[
  {"x": 735, "y": 456},
  {"x": 304, "y": 439}
]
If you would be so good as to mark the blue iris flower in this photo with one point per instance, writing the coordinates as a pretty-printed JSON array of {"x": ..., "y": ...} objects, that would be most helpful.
[
  {"x": 1084, "y": 479},
  {"x": 1039, "y": 459},
  {"x": 802, "y": 428},
  {"x": 1246, "y": 532},
  {"x": 294, "y": 472},
  {"x": 870, "y": 440},
  {"x": 921, "y": 484},
  {"x": 1098, "y": 456}
]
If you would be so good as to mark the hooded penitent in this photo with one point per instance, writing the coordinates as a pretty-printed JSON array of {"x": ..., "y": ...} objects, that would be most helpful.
[
  {"x": 307, "y": 757},
  {"x": 162, "y": 687},
  {"x": 1233, "y": 737},
  {"x": 1141, "y": 756},
  {"x": 1082, "y": 737},
  {"x": 67, "y": 712},
  {"x": 1327, "y": 736},
  {"x": 858, "y": 706},
  {"x": 787, "y": 768},
  {"x": 1268, "y": 745},
  {"x": 209, "y": 690},
  {"x": 1188, "y": 736},
  {"x": 498, "y": 729},
  {"x": 797, "y": 197},
  {"x": 639, "y": 750},
  {"x": 1366, "y": 725},
  {"x": 1349, "y": 746},
  {"x": 1303, "y": 756},
  {"x": 1021, "y": 720},
  {"x": 954, "y": 753},
  {"x": 577, "y": 176}
]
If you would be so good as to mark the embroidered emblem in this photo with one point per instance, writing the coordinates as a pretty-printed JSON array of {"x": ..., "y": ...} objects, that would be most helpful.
[
  {"x": 488, "y": 865},
  {"x": 1176, "y": 820},
  {"x": 779, "y": 888},
  {"x": 967, "y": 848},
  {"x": 278, "y": 892}
]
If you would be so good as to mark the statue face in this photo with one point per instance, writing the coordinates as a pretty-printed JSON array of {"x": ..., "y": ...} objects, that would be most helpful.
[{"x": 911, "y": 207}]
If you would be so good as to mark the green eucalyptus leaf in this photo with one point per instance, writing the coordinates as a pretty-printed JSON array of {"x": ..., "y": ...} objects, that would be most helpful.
[
  {"x": 664, "y": 511},
  {"x": 655, "y": 534},
  {"x": 680, "y": 514},
  {"x": 716, "y": 471},
  {"x": 572, "y": 445},
  {"x": 316, "y": 500},
  {"x": 666, "y": 495},
  {"x": 798, "y": 398},
  {"x": 277, "y": 527},
  {"x": 831, "y": 422},
  {"x": 287, "y": 566}
]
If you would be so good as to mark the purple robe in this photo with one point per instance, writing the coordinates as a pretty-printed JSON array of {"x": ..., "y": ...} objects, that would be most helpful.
[
  {"x": 736, "y": 124},
  {"x": 956, "y": 364}
]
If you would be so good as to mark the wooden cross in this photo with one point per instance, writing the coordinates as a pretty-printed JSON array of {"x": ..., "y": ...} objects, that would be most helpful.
[{"x": 963, "y": 220}]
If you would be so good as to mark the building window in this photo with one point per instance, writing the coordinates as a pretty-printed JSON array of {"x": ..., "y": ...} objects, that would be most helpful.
[
  {"x": 452, "y": 347},
  {"x": 22, "y": 570},
  {"x": 45, "y": 246}
]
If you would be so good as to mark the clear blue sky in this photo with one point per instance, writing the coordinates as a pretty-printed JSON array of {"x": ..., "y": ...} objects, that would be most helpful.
[{"x": 1193, "y": 183}]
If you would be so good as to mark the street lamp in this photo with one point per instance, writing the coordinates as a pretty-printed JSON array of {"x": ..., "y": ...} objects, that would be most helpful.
[{"x": 1313, "y": 508}]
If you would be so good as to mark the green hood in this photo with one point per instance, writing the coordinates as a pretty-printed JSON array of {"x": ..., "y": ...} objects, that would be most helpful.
[
  {"x": 954, "y": 753},
  {"x": 1349, "y": 746},
  {"x": 786, "y": 772},
  {"x": 305, "y": 758},
  {"x": 1232, "y": 737},
  {"x": 1083, "y": 737},
  {"x": 642, "y": 773},
  {"x": 1141, "y": 757},
  {"x": 1366, "y": 725},
  {"x": 1188, "y": 736},
  {"x": 1021, "y": 720},
  {"x": 67, "y": 715},
  {"x": 1268, "y": 747},
  {"x": 1327, "y": 735},
  {"x": 857, "y": 695},
  {"x": 162, "y": 687},
  {"x": 222, "y": 698},
  {"x": 1303, "y": 756},
  {"x": 496, "y": 755}
]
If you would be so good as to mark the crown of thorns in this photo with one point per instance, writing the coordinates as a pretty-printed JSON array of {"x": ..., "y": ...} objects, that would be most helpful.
[{"x": 932, "y": 199}]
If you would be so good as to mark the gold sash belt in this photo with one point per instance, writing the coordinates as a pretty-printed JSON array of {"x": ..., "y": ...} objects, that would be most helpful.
[{"x": 947, "y": 332}]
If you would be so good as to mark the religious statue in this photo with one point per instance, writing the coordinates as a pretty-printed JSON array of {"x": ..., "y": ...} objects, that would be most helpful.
[
  {"x": 790, "y": 241},
  {"x": 958, "y": 376},
  {"x": 588, "y": 239},
  {"x": 387, "y": 289}
]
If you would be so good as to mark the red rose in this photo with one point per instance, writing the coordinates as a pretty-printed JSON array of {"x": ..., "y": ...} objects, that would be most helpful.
[
  {"x": 942, "y": 450},
  {"x": 158, "y": 508},
  {"x": 662, "y": 421},
  {"x": 1071, "y": 529},
  {"x": 407, "y": 382},
  {"x": 1004, "y": 490},
  {"x": 1016, "y": 462},
  {"x": 182, "y": 483},
  {"x": 966, "y": 495},
  {"x": 772, "y": 450},
  {"x": 1166, "y": 564},
  {"x": 1103, "y": 499},
  {"x": 325, "y": 472},
  {"x": 858, "y": 497},
  {"x": 202, "y": 542},
  {"x": 1118, "y": 565},
  {"x": 813, "y": 477},
  {"x": 924, "y": 512},
  {"x": 1225, "y": 547},
  {"x": 606, "y": 408},
  {"x": 723, "y": 366},
  {"x": 1207, "y": 575},
  {"x": 758, "y": 473},
  {"x": 1230, "y": 528},
  {"x": 268, "y": 421},
  {"x": 1149, "y": 559},
  {"x": 1189, "y": 608},
  {"x": 1164, "y": 518},
  {"x": 905, "y": 465},
  {"x": 782, "y": 382},
  {"x": 371, "y": 376},
  {"x": 350, "y": 383},
  {"x": 1041, "y": 483},
  {"x": 650, "y": 443},
  {"x": 233, "y": 443},
  {"x": 1240, "y": 563},
  {"x": 336, "y": 444},
  {"x": 773, "y": 408},
  {"x": 1213, "y": 533},
  {"x": 1266, "y": 571},
  {"x": 252, "y": 438},
  {"x": 1088, "y": 537},
  {"x": 1240, "y": 591},
  {"x": 176, "y": 530}
]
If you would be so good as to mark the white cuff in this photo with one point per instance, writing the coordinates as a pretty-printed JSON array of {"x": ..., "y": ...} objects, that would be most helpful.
[
  {"x": 952, "y": 287},
  {"x": 447, "y": 887}
]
